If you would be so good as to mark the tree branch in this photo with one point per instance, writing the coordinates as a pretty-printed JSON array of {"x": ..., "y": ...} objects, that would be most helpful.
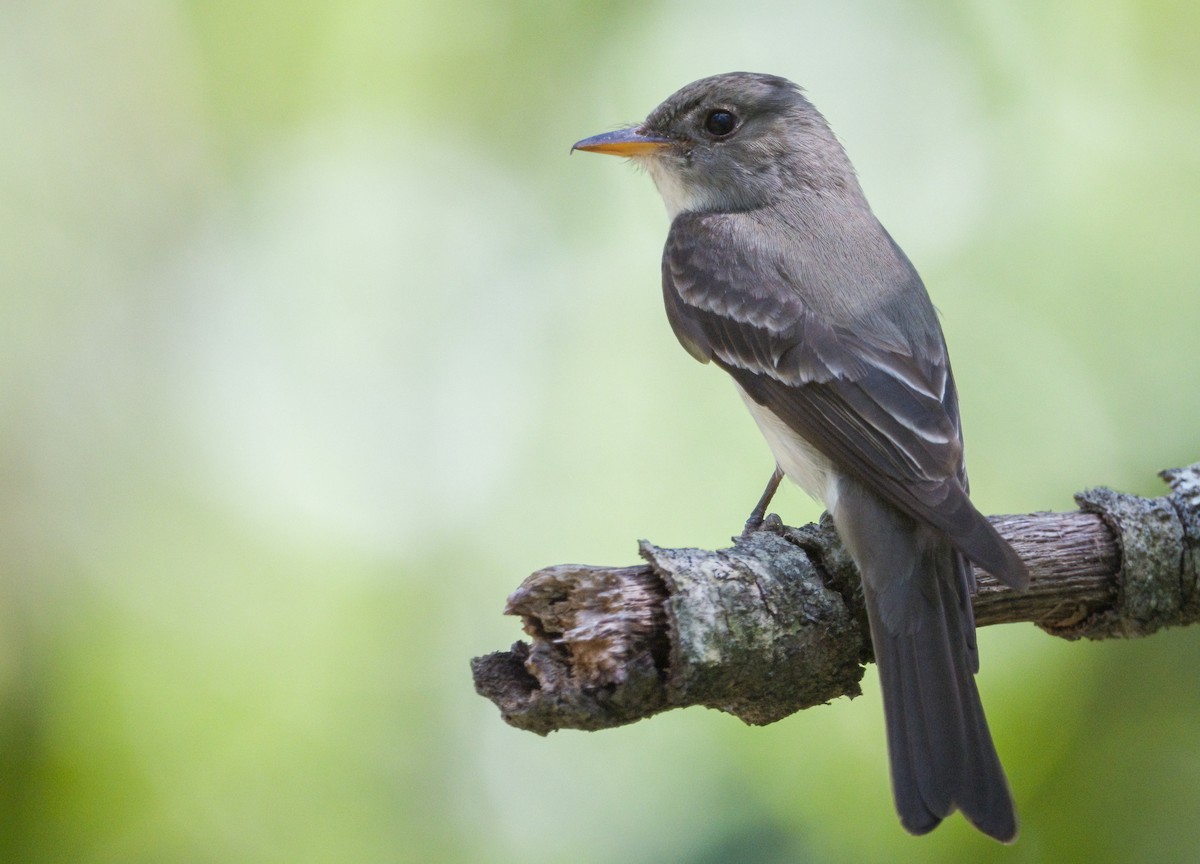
[{"x": 776, "y": 622}]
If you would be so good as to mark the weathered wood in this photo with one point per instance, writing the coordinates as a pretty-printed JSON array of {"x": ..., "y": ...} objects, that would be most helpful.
[{"x": 775, "y": 623}]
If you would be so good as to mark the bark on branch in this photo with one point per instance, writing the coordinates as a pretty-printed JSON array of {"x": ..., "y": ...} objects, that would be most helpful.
[{"x": 776, "y": 623}]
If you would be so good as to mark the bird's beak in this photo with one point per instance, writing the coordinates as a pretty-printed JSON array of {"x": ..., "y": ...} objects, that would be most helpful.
[{"x": 623, "y": 142}]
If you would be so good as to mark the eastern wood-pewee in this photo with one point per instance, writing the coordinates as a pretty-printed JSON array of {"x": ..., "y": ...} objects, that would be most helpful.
[{"x": 776, "y": 270}]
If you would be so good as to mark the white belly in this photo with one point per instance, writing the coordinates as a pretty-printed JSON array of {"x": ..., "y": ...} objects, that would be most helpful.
[{"x": 800, "y": 461}]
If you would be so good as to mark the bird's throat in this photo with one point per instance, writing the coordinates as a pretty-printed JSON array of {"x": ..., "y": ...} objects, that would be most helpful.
[{"x": 678, "y": 195}]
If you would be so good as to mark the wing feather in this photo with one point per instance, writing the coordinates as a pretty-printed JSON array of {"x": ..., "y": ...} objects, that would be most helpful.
[{"x": 880, "y": 405}]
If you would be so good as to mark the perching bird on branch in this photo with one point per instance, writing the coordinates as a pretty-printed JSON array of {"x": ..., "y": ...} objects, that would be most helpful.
[{"x": 777, "y": 271}]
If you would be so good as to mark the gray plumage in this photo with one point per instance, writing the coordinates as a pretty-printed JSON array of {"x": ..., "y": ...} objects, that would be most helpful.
[{"x": 776, "y": 270}]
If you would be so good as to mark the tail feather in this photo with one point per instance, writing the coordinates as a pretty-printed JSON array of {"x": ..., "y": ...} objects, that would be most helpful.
[{"x": 941, "y": 752}]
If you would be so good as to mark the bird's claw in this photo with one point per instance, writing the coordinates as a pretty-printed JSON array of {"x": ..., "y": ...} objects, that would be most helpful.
[{"x": 759, "y": 522}]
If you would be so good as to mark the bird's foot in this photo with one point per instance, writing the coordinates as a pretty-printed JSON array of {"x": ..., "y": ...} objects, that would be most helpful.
[
  {"x": 758, "y": 516},
  {"x": 759, "y": 522}
]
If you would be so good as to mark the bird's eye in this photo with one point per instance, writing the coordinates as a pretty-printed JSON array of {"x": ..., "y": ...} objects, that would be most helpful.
[{"x": 720, "y": 123}]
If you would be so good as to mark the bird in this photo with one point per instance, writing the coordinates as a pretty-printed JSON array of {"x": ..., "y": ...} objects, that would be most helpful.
[{"x": 776, "y": 270}]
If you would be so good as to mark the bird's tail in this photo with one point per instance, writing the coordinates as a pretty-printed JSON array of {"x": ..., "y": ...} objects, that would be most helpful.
[{"x": 923, "y": 630}]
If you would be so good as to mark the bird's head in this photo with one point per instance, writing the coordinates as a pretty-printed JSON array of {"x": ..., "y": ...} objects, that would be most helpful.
[{"x": 732, "y": 142}]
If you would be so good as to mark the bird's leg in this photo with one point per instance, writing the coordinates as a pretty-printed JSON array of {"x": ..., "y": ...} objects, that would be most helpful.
[{"x": 760, "y": 509}]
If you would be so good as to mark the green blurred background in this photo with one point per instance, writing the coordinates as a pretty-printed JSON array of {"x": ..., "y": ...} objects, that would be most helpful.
[{"x": 316, "y": 343}]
